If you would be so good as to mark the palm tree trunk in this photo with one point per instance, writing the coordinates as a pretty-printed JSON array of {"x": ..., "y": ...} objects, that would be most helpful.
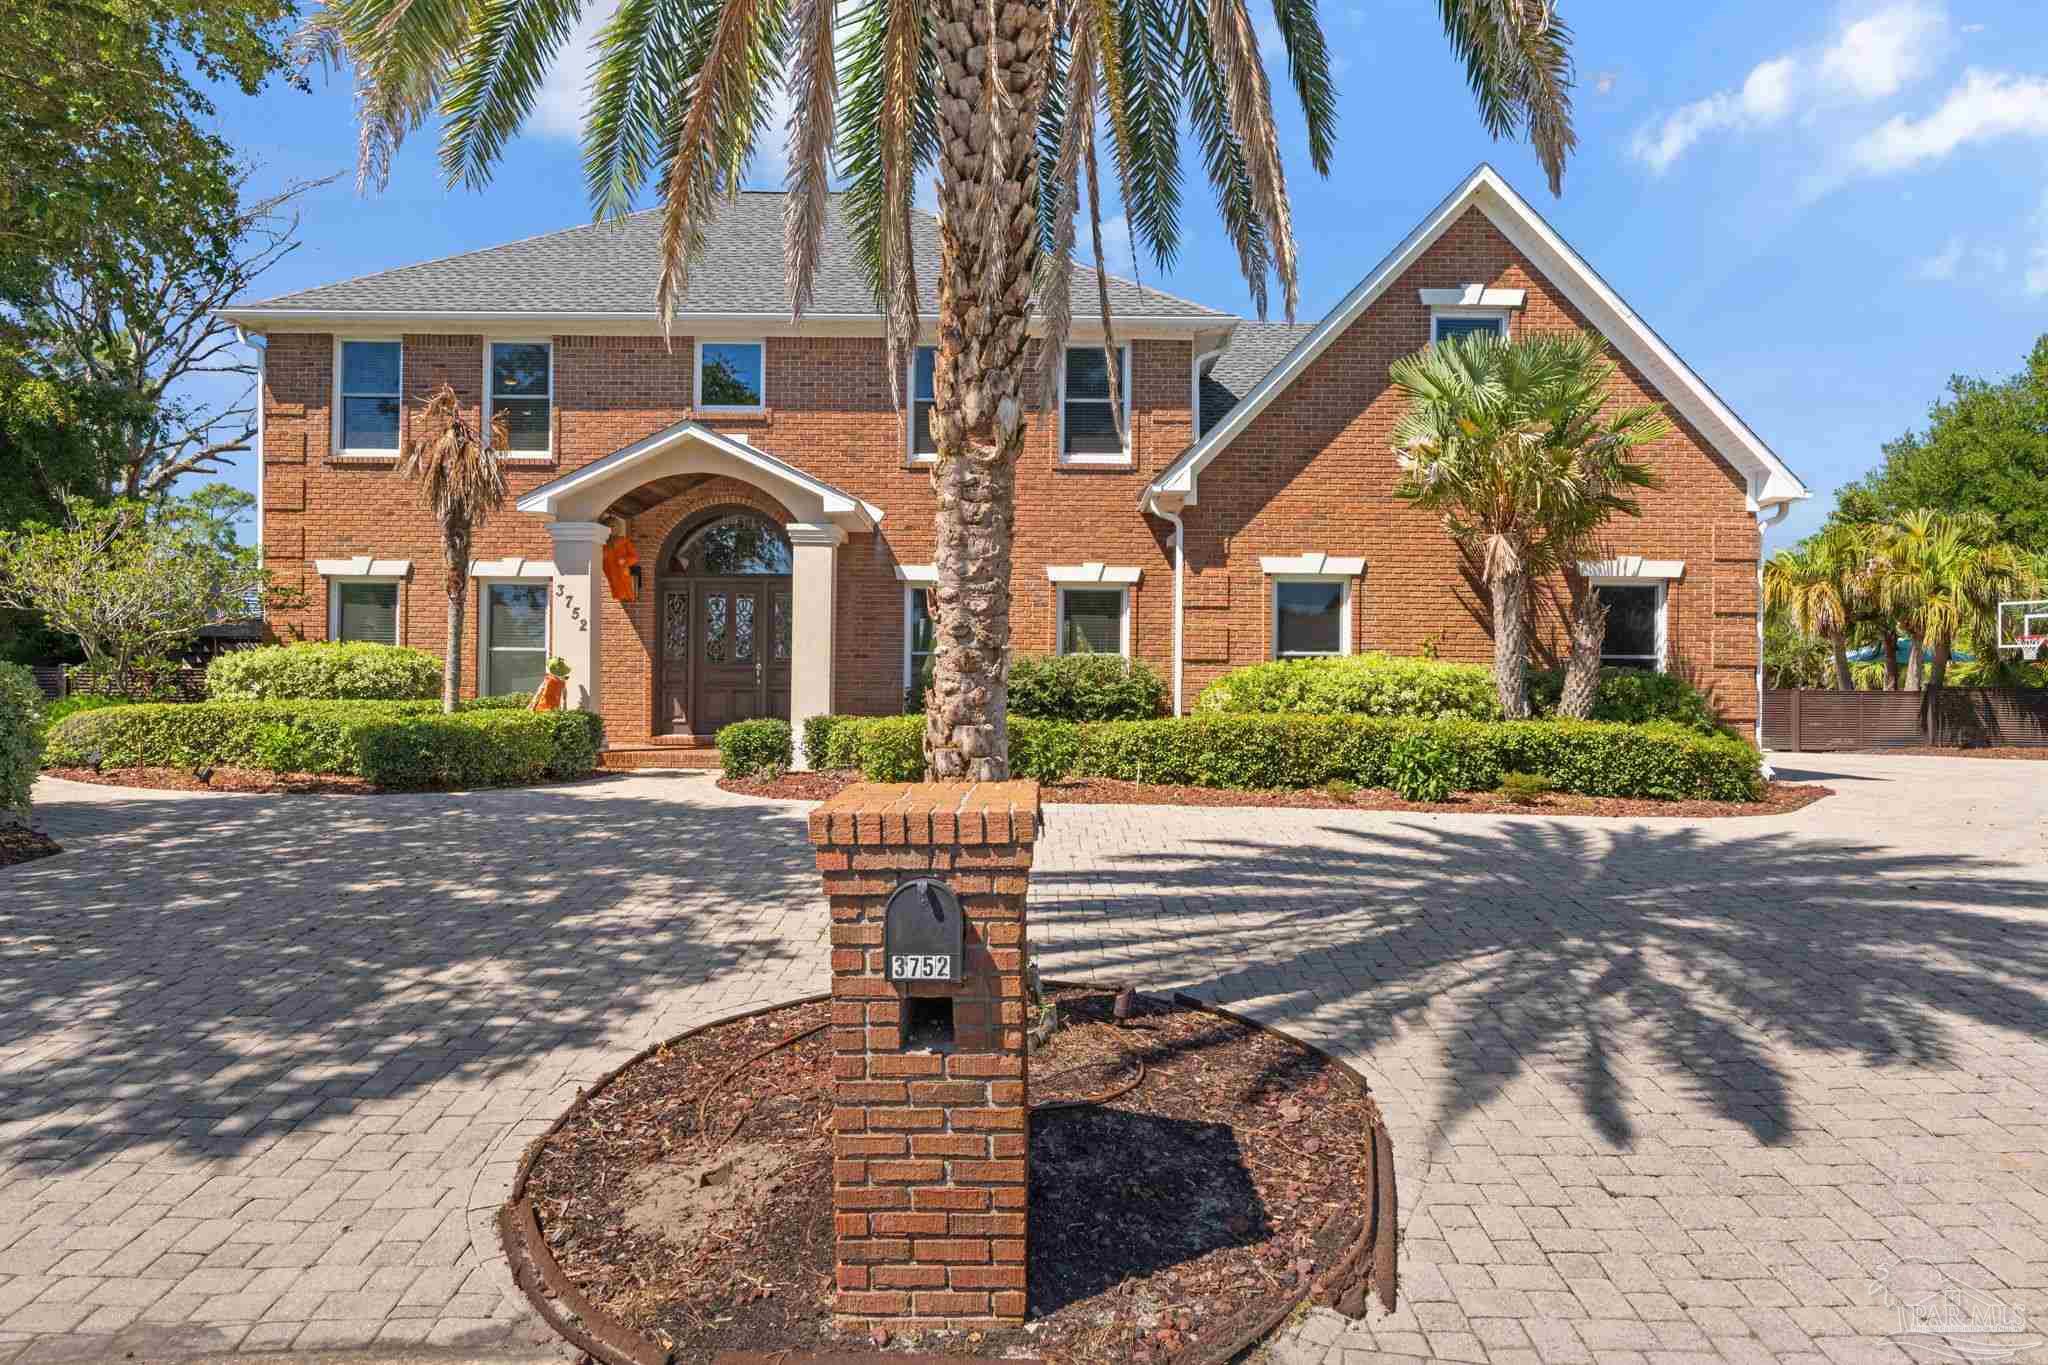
[
  {"x": 1937, "y": 668},
  {"x": 988, "y": 254},
  {"x": 1890, "y": 640},
  {"x": 1511, "y": 642},
  {"x": 1916, "y": 664},
  {"x": 1845, "y": 681},
  {"x": 1588, "y": 631},
  {"x": 455, "y": 539}
]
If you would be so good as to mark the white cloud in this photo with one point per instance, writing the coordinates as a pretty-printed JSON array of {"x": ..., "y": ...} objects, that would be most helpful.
[
  {"x": 1944, "y": 264},
  {"x": 1764, "y": 98},
  {"x": 1603, "y": 83},
  {"x": 1879, "y": 56},
  {"x": 565, "y": 90},
  {"x": 1987, "y": 105}
]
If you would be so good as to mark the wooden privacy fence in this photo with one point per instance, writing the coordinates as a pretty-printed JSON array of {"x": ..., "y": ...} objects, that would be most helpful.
[{"x": 1949, "y": 717}]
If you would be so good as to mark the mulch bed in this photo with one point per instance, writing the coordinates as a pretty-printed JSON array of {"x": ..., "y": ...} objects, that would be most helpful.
[
  {"x": 1163, "y": 1222},
  {"x": 1783, "y": 798},
  {"x": 20, "y": 844},
  {"x": 224, "y": 780}
]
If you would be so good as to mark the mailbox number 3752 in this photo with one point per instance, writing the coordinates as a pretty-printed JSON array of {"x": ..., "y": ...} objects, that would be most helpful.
[{"x": 920, "y": 967}]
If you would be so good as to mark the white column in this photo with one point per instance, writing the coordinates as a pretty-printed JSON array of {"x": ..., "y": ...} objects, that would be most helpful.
[
  {"x": 573, "y": 602},
  {"x": 814, "y": 579}
]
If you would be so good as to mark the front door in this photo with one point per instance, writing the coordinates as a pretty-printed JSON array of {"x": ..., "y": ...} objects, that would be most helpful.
[{"x": 741, "y": 658}]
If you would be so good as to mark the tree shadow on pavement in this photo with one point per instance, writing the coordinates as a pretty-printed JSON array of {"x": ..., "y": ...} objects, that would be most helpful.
[{"x": 1568, "y": 948}]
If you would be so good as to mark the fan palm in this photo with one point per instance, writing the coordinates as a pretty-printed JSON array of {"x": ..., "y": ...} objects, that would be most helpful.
[
  {"x": 883, "y": 90},
  {"x": 462, "y": 482},
  {"x": 1509, "y": 442},
  {"x": 1941, "y": 575},
  {"x": 1816, "y": 584}
]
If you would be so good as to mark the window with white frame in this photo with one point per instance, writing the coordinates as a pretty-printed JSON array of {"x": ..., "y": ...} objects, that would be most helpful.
[
  {"x": 731, "y": 375},
  {"x": 1635, "y": 624},
  {"x": 365, "y": 610},
  {"x": 514, "y": 638},
  {"x": 1095, "y": 621},
  {"x": 1091, "y": 430},
  {"x": 923, "y": 364},
  {"x": 920, "y": 635},
  {"x": 1311, "y": 617},
  {"x": 371, "y": 374},
  {"x": 1449, "y": 325},
  {"x": 521, "y": 390}
]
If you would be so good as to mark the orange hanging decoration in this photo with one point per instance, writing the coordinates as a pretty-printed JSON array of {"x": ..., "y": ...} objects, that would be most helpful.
[{"x": 620, "y": 559}]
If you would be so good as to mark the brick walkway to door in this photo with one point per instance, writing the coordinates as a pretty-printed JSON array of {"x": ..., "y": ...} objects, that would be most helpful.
[{"x": 1655, "y": 1086}]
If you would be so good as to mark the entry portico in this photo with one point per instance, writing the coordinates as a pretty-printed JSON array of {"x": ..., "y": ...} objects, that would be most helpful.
[{"x": 578, "y": 508}]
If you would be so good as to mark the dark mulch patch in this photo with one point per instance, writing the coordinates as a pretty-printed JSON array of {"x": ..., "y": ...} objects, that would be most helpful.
[
  {"x": 1989, "y": 751},
  {"x": 1783, "y": 798},
  {"x": 1162, "y": 1223},
  {"x": 224, "y": 780},
  {"x": 20, "y": 844}
]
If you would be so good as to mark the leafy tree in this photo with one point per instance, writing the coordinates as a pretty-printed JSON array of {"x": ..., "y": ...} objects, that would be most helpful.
[
  {"x": 1819, "y": 586},
  {"x": 128, "y": 582},
  {"x": 991, "y": 96},
  {"x": 462, "y": 482},
  {"x": 1940, "y": 576},
  {"x": 1985, "y": 449},
  {"x": 1508, "y": 441}
]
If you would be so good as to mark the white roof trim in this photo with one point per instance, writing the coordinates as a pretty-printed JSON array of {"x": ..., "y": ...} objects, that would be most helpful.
[
  {"x": 1632, "y": 566},
  {"x": 512, "y": 566},
  {"x": 1313, "y": 564},
  {"x": 362, "y": 566},
  {"x": 547, "y": 498},
  {"x": 1091, "y": 572},
  {"x": 1474, "y": 296},
  {"x": 919, "y": 575},
  {"x": 1770, "y": 480}
]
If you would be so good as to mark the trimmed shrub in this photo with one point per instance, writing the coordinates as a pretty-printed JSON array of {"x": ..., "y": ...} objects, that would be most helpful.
[
  {"x": 21, "y": 740},
  {"x": 818, "y": 739},
  {"x": 1358, "y": 685},
  {"x": 1047, "y": 750},
  {"x": 325, "y": 672},
  {"x": 71, "y": 706},
  {"x": 394, "y": 744},
  {"x": 1084, "y": 687},
  {"x": 888, "y": 748},
  {"x": 504, "y": 701},
  {"x": 1632, "y": 696},
  {"x": 750, "y": 747}
]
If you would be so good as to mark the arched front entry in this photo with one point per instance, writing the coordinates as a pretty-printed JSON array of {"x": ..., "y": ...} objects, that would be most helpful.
[{"x": 723, "y": 586}]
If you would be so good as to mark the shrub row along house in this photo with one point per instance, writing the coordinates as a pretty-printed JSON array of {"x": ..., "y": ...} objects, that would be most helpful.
[{"x": 765, "y": 510}]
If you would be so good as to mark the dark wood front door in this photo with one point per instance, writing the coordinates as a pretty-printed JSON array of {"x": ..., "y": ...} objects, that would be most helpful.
[{"x": 725, "y": 652}]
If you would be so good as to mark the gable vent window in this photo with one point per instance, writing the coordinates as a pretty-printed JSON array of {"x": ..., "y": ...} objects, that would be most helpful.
[{"x": 1451, "y": 326}]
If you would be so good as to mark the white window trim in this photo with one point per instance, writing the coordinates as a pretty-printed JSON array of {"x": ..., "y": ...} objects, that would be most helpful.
[
  {"x": 1312, "y": 565},
  {"x": 910, "y": 402},
  {"x": 1092, "y": 573},
  {"x": 910, "y": 590},
  {"x": 697, "y": 375},
  {"x": 523, "y": 456},
  {"x": 1663, "y": 586},
  {"x": 484, "y": 584},
  {"x": 1505, "y": 315},
  {"x": 336, "y": 582},
  {"x": 1273, "y": 582},
  {"x": 1473, "y": 296},
  {"x": 1123, "y": 392},
  {"x": 346, "y": 452},
  {"x": 1121, "y": 589}
]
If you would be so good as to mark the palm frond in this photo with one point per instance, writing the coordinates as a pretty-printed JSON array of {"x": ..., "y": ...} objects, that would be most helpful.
[
  {"x": 400, "y": 51},
  {"x": 1248, "y": 98},
  {"x": 1308, "y": 65},
  {"x": 1116, "y": 406},
  {"x": 647, "y": 55},
  {"x": 1517, "y": 56},
  {"x": 1056, "y": 264},
  {"x": 1223, "y": 156},
  {"x": 1141, "y": 80},
  {"x": 492, "y": 86},
  {"x": 814, "y": 86}
]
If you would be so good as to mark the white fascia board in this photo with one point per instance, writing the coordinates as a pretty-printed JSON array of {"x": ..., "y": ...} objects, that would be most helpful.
[
  {"x": 1091, "y": 572},
  {"x": 545, "y": 499},
  {"x": 918, "y": 575},
  {"x": 1631, "y": 567},
  {"x": 259, "y": 319},
  {"x": 1770, "y": 480},
  {"x": 1312, "y": 565},
  {"x": 363, "y": 566},
  {"x": 513, "y": 566},
  {"x": 1473, "y": 296}
]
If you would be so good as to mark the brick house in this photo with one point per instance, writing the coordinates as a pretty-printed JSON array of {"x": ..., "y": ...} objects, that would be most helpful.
[{"x": 782, "y": 514}]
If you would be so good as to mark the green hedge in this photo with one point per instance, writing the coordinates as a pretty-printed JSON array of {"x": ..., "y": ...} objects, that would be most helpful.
[
  {"x": 1632, "y": 696},
  {"x": 21, "y": 740},
  {"x": 748, "y": 747},
  {"x": 393, "y": 744},
  {"x": 1421, "y": 759},
  {"x": 1084, "y": 687},
  {"x": 325, "y": 672},
  {"x": 1359, "y": 685}
]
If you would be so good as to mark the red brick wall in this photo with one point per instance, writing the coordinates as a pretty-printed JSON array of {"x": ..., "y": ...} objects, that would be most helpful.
[{"x": 1315, "y": 472}]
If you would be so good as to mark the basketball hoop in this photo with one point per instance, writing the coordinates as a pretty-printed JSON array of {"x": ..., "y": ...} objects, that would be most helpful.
[
  {"x": 2030, "y": 647},
  {"x": 2023, "y": 628}
]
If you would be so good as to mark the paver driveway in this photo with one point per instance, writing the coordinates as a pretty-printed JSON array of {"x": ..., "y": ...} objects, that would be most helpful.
[{"x": 265, "y": 1063}]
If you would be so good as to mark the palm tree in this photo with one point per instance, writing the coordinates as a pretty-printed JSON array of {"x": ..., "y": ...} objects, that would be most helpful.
[
  {"x": 1507, "y": 440},
  {"x": 462, "y": 482},
  {"x": 1942, "y": 574},
  {"x": 884, "y": 90},
  {"x": 1814, "y": 583}
]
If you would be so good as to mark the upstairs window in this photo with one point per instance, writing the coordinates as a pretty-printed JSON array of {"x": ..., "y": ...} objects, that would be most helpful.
[
  {"x": 1635, "y": 625},
  {"x": 521, "y": 391},
  {"x": 371, "y": 374},
  {"x": 1091, "y": 431},
  {"x": 731, "y": 375},
  {"x": 923, "y": 446},
  {"x": 1451, "y": 326}
]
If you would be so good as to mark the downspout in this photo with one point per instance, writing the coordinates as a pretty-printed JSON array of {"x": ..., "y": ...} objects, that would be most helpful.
[
  {"x": 257, "y": 342},
  {"x": 1777, "y": 514},
  {"x": 1180, "y": 559},
  {"x": 1180, "y": 530}
]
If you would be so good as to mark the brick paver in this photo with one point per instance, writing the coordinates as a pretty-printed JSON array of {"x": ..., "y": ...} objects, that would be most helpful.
[{"x": 1659, "y": 1090}]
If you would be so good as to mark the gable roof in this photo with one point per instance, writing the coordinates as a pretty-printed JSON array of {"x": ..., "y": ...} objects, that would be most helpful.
[
  {"x": 610, "y": 269},
  {"x": 1771, "y": 480},
  {"x": 1255, "y": 349}
]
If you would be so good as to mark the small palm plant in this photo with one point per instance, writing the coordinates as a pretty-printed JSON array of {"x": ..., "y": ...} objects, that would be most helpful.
[
  {"x": 1508, "y": 440},
  {"x": 1818, "y": 585},
  {"x": 462, "y": 482}
]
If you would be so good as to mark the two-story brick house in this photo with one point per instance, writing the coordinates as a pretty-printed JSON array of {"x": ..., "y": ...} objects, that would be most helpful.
[{"x": 780, "y": 506}]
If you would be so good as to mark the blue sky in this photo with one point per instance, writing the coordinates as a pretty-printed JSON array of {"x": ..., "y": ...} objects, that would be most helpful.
[{"x": 1826, "y": 209}]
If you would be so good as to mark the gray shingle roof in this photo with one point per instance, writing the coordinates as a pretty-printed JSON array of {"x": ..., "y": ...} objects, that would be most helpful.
[
  {"x": 1255, "y": 348},
  {"x": 613, "y": 267}
]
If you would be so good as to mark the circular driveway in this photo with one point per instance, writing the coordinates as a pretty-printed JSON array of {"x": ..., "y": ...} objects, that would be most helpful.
[{"x": 1659, "y": 1089}]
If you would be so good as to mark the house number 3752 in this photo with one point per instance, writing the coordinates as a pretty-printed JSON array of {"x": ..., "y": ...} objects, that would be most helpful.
[{"x": 572, "y": 606}]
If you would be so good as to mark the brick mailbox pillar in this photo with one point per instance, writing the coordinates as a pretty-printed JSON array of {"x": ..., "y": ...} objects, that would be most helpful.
[{"x": 930, "y": 1119}]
